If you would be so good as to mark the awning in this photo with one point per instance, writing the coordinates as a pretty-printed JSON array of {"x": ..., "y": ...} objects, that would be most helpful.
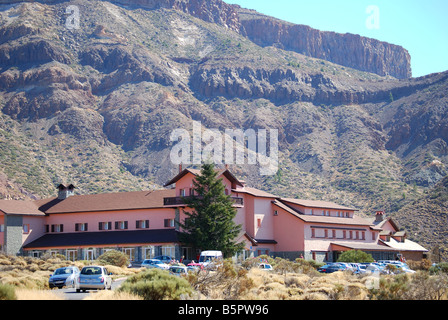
[{"x": 104, "y": 238}]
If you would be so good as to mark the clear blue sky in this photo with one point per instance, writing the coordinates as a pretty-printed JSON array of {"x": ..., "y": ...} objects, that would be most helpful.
[{"x": 420, "y": 26}]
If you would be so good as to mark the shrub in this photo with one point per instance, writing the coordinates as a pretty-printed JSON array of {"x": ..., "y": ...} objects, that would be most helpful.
[
  {"x": 7, "y": 292},
  {"x": 229, "y": 282},
  {"x": 114, "y": 258},
  {"x": 156, "y": 284},
  {"x": 355, "y": 256},
  {"x": 439, "y": 268}
]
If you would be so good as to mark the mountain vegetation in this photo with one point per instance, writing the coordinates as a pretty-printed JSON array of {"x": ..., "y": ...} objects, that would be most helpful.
[{"x": 94, "y": 104}]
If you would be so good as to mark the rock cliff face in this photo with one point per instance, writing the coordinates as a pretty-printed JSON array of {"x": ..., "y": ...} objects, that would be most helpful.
[{"x": 348, "y": 50}]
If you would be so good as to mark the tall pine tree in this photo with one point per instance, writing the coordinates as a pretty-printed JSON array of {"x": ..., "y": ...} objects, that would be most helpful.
[{"x": 209, "y": 223}]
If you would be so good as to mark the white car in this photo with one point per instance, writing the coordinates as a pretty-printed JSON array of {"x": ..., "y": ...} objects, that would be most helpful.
[
  {"x": 265, "y": 266},
  {"x": 94, "y": 278},
  {"x": 178, "y": 270},
  {"x": 154, "y": 263}
]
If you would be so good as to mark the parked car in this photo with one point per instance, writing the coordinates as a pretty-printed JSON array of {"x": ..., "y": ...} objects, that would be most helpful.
[
  {"x": 94, "y": 278},
  {"x": 265, "y": 266},
  {"x": 194, "y": 268},
  {"x": 154, "y": 263},
  {"x": 165, "y": 259},
  {"x": 330, "y": 268},
  {"x": 135, "y": 264},
  {"x": 346, "y": 266},
  {"x": 178, "y": 270},
  {"x": 361, "y": 268},
  {"x": 211, "y": 259},
  {"x": 195, "y": 265},
  {"x": 63, "y": 277}
]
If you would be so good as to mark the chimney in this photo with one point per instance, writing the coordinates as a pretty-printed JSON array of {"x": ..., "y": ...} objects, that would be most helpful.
[
  {"x": 65, "y": 192},
  {"x": 180, "y": 168},
  {"x": 379, "y": 216}
]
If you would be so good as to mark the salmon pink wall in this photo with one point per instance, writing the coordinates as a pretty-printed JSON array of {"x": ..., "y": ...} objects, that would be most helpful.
[
  {"x": 288, "y": 230},
  {"x": 36, "y": 228},
  {"x": 155, "y": 216},
  {"x": 2, "y": 234}
]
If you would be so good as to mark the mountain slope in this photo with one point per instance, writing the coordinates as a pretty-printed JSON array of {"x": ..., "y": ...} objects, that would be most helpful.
[{"x": 96, "y": 106}]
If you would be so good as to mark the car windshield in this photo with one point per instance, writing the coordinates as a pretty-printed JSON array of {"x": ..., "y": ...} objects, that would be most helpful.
[
  {"x": 91, "y": 270},
  {"x": 63, "y": 271}
]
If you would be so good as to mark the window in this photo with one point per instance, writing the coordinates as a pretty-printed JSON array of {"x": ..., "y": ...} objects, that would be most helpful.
[
  {"x": 89, "y": 254},
  {"x": 275, "y": 213},
  {"x": 142, "y": 224},
  {"x": 258, "y": 223},
  {"x": 121, "y": 225},
  {"x": 105, "y": 225},
  {"x": 72, "y": 255},
  {"x": 54, "y": 228},
  {"x": 26, "y": 228},
  {"x": 169, "y": 223},
  {"x": 168, "y": 250},
  {"x": 81, "y": 227}
]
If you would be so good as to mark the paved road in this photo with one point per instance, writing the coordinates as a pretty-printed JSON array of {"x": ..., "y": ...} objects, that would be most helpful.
[{"x": 71, "y": 294}]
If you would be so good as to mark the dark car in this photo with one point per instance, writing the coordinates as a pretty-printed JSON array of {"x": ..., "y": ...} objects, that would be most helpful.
[
  {"x": 330, "y": 268},
  {"x": 63, "y": 277},
  {"x": 165, "y": 259}
]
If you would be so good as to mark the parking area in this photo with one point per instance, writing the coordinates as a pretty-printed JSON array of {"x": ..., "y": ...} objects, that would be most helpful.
[{"x": 381, "y": 267}]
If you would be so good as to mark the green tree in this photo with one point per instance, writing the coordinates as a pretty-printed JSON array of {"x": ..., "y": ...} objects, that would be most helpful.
[
  {"x": 356, "y": 256},
  {"x": 209, "y": 223},
  {"x": 114, "y": 257},
  {"x": 156, "y": 284}
]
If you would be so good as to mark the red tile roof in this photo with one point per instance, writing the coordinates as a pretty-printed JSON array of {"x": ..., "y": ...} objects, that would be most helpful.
[
  {"x": 106, "y": 202},
  {"x": 317, "y": 204},
  {"x": 20, "y": 207},
  {"x": 355, "y": 220}
]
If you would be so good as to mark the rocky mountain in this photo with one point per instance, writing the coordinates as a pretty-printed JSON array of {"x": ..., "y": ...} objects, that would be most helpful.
[{"x": 94, "y": 103}]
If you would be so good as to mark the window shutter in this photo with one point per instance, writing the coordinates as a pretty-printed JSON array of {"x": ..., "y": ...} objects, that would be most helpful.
[
  {"x": 100, "y": 226},
  {"x": 76, "y": 226},
  {"x": 87, "y": 227},
  {"x": 52, "y": 228},
  {"x": 116, "y": 225},
  {"x": 147, "y": 224},
  {"x": 125, "y": 225},
  {"x": 62, "y": 228},
  {"x": 137, "y": 224}
]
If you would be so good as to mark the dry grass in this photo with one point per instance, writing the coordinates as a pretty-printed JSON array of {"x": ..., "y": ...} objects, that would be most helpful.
[
  {"x": 299, "y": 286},
  {"x": 29, "y": 294},
  {"x": 112, "y": 295}
]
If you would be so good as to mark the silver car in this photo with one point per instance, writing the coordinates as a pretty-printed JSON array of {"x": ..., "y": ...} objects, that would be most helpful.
[
  {"x": 63, "y": 277},
  {"x": 94, "y": 278}
]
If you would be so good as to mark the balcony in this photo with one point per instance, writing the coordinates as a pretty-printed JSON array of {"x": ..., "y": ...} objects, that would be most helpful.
[{"x": 178, "y": 201}]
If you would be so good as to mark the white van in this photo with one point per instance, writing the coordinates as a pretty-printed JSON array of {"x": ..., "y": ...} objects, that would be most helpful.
[{"x": 209, "y": 256}]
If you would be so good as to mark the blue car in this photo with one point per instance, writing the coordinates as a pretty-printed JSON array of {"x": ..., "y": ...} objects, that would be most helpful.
[
  {"x": 63, "y": 277},
  {"x": 330, "y": 268}
]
